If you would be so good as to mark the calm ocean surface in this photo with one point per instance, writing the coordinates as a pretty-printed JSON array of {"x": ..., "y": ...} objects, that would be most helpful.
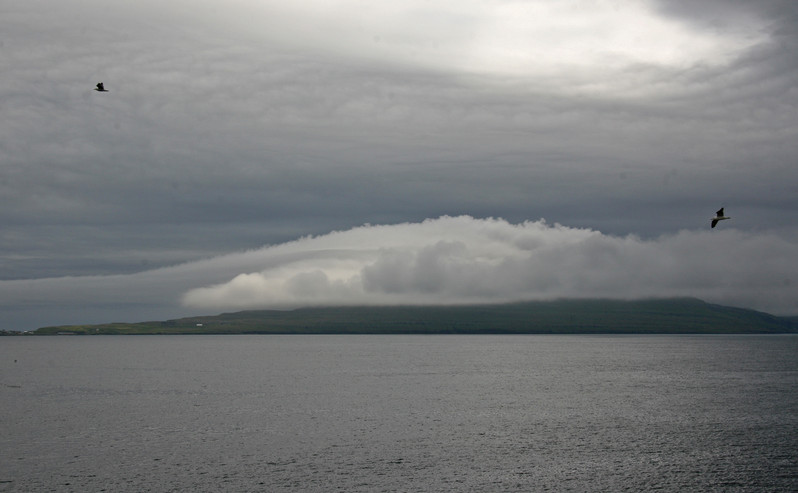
[{"x": 399, "y": 413}]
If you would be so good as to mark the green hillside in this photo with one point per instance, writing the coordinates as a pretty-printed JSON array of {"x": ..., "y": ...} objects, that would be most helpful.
[{"x": 671, "y": 316}]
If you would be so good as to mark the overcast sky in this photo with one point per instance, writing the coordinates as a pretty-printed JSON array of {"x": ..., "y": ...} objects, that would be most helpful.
[{"x": 271, "y": 154}]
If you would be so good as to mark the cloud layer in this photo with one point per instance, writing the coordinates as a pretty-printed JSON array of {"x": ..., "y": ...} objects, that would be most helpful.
[
  {"x": 466, "y": 260},
  {"x": 448, "y": 260}
]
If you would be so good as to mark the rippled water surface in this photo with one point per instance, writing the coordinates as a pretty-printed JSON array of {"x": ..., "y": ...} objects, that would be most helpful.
[{"x": 399, "y": 413}]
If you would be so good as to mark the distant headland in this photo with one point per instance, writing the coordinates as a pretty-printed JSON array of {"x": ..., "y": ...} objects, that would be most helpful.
[{"x": 655, "y": 316}]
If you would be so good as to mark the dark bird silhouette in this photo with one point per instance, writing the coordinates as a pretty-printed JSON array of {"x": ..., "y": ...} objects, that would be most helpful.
[
  {"x": 100, "y": 87},
  {"x": 718, "y": 217}
]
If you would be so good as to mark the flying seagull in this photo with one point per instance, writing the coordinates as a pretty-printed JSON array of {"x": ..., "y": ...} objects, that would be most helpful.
[
  {"x": 718, "y": 217},
  {"x": 100, "y": 87}
]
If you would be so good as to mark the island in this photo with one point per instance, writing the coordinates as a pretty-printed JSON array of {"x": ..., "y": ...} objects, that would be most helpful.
[{"x": 594, "y": 316}]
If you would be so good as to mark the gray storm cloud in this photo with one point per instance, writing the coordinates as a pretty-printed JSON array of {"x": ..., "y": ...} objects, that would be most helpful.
[{"x": 466, "y": 260}]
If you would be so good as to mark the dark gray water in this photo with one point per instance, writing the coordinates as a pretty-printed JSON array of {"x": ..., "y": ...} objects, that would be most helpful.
[{"x": 399, "y": 413}]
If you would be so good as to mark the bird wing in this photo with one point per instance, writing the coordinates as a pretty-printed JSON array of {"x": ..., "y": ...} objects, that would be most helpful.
[
  {"x": 720, "y": 212},
  {"x": 714, "y": 222}
]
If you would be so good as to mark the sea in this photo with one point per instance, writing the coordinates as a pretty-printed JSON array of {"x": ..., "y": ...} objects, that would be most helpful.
[{"x": 399, "y": 413}]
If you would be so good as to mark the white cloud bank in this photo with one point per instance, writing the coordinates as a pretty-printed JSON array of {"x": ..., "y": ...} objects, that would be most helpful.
[
  {"x": 465, "y": 260},
  {"x": 447, "y": 260}
]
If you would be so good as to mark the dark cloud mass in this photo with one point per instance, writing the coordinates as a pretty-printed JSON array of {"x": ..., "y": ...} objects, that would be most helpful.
[{"x": 233, "y": 126}]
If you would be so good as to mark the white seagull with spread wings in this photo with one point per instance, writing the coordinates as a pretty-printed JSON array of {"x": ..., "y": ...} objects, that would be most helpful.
[{"x": 718, "y": 217}]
